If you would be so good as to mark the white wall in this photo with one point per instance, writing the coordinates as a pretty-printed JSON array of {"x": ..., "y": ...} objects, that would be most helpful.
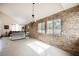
[{"x": 6, "y": 20}]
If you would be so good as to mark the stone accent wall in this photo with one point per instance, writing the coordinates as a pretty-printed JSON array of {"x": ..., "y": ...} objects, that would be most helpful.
[{"x": 69, "y": 39}]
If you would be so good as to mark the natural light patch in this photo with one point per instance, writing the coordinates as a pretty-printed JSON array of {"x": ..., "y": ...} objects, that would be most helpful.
[
  {"x": 42, "y": 45},
  {"x": 38, "y": 47}
]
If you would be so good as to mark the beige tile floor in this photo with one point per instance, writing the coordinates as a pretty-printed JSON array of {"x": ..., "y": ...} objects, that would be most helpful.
[{"x": 28, "y": 47}]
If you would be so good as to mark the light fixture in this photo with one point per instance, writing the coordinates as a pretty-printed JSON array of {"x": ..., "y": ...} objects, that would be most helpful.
[
  {"x": 33, "y": 14},
  {"x": 33, "y": 11}
]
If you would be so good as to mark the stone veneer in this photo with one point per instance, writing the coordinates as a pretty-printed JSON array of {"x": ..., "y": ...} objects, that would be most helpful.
[{"x": 69, "y": 39}]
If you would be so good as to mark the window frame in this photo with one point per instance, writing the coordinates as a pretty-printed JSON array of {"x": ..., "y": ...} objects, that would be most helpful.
[
  {"x": 41, "y": 27},
  {"x": 56, "y": 24},
  {"x": 47, "y": 27}
]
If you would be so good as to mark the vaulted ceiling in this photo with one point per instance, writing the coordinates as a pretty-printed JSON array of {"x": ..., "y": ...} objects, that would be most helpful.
[{"x": 22, "y": 12}]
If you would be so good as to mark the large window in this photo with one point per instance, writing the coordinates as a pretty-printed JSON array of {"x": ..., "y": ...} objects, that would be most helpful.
[
  {"x": 57, "y": 26},
  {"x": 53, "y": 27},
  {"x": 41, "y": 27},
  {"x": 16, "y": 27},
  {"x": 50, "y": 27}
]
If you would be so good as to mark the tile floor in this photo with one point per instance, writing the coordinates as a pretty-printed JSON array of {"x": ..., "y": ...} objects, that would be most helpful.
[{"x": 28, "y": 47}]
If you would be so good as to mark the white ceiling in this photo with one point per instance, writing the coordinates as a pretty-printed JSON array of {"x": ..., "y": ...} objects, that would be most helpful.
[{"x": 22, "y": 12}]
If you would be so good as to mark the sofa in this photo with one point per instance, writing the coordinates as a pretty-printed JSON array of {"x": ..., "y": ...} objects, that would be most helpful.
[{"x": 17, "y": 35}]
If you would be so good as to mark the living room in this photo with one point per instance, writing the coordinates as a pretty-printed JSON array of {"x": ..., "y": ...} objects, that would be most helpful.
[{"x": 39, "y": 29}]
